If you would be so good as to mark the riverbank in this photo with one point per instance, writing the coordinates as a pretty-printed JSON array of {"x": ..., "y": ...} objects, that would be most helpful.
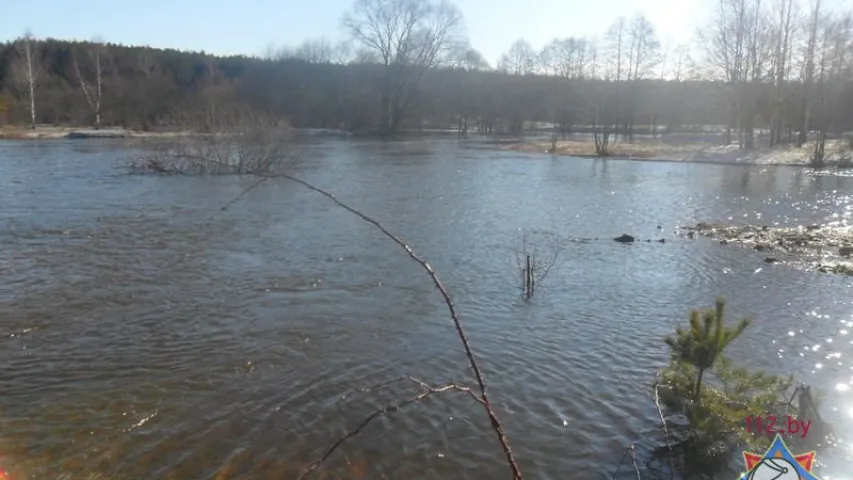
[
  {"x": 54, "y": 133},
  {"x": 837, "y": 153}
]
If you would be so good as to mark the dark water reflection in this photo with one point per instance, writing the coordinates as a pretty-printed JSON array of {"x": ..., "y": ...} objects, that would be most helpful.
[{"x": 144, "y": 333}]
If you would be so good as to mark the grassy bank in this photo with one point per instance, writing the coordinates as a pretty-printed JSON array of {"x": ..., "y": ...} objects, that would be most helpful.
[{"x": 837, "y": 152}]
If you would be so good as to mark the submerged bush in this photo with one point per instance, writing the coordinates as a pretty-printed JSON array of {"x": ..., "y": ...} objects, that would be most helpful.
[{"x": 232, "y": 141}]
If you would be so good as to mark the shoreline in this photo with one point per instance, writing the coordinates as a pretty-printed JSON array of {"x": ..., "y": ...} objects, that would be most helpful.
[
  {"x": 837, "y": 154},
  {"x": 61, "y": 133}
]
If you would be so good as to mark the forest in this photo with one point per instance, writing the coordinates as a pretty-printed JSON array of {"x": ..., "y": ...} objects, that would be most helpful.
[{"x": 769, "y": 66}]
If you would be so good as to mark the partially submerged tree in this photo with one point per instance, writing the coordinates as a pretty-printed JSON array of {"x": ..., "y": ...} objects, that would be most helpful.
[
  {"x": 27, "y": 69},
  {"x": 534, "y": 259},
  {"x": 704, "y": 341},
  {"x": 708, "y": 400},
  {"x": 409, "y": 37}
]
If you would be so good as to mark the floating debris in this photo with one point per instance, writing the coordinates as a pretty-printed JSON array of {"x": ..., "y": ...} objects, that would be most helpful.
[{"x": 813, "y": 247}]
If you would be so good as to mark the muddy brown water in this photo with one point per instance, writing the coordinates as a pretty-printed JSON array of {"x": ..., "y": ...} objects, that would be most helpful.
[{"x": 145, "y": 333}]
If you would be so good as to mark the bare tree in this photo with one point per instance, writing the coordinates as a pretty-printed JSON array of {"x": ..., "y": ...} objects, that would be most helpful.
[
  {"x": 93, "y": 86},
  {"x": 807, "y": 76},
  {"x": 365, "y": 55},
  {"x": 239, "y": 141},
  {"x": 520, "y": 59},
  {"x": 645, "y": 51},
  {"x": 644, "y": 55},
  {"x": 681, "y": 64},
  {"x": 27, "y": 69},
  {"x": 410, "y": 37},
  {"x": 594, "y": 58},
  {"x": 832, "y": 56},
  {"x": 270, "y": 51},
  {"x": 315, "y": 51},
  {"x": 341, "y": 53},
  {"x": 530, "y": 263},
  {"x": 784, "y": 29},
  {"x": 759, "y": 50},
  {"x": 615, "y": 39},
  {"x": 725, "y": 41},
  {"x": 473, "y": 60},
  {"x": 567, "y": 57},
  {"x": 737, "y": 42}
]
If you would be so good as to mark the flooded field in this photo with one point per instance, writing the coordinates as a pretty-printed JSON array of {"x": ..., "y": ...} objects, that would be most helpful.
[{"x": 147, "y": 334}]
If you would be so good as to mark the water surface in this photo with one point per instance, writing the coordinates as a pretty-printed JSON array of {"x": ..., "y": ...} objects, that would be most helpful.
[{"x": 145, "y": 333}]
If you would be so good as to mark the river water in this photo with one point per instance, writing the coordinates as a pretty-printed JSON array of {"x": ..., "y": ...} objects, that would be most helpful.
[{"x": 146, "y": 333}]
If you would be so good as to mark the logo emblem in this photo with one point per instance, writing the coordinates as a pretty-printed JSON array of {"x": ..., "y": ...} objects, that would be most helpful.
[{"x": 778, "y": 463}]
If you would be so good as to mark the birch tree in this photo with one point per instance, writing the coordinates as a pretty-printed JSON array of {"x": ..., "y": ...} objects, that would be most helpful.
[
  {"x": 92, "y": 81},
  {"x": 27, "y": 68},
  {"x": 520, "y": 59},
  {"x": 409, "y": 37}
]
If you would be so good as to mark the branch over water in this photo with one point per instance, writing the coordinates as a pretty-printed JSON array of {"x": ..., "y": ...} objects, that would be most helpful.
[{"x": 482, "y": 397}]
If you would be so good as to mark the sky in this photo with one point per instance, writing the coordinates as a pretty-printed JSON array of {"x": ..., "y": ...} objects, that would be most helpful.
[{"x": 249, "y": 26}]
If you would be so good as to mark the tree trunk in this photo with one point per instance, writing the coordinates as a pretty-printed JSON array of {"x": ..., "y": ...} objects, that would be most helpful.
[
  {"x": 698, "y": 391},
  {"x": 32, "y": 104}
]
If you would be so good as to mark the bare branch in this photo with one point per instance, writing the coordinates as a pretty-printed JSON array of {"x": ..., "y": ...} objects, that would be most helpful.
[
  {"x": 634, "y": 462},
  {"x": 481, "y": 383},
  {"x": 427, "y": 390},
  {"x": 665, "y": 430},
  {"x": 245, "y": 191}
]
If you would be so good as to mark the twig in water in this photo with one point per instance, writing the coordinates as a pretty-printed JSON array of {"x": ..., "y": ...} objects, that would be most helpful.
[
  {"x": 238, "y": 197},
  {"x": 532, "y": 270},
  {"x": 383, "y": 384},
  {"x": 634, "y": 461},
  {"x": 427, "y": 391},
  {"x": 665, "y": 431},
  {"x": 622, "y": 461},
  {"x": 481, "y": 382}
]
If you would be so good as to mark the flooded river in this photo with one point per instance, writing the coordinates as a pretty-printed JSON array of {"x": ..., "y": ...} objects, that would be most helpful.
[{"x": 147, "y": 334}]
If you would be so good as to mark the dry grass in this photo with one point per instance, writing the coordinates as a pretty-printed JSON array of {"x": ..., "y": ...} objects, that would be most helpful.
[{"x": 837, "y": 152}]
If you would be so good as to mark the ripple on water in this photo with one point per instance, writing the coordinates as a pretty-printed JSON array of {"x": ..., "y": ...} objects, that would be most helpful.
[{"x": 151, "y": 335}]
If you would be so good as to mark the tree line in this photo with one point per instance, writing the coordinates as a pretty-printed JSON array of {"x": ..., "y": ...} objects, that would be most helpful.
[{"x": 765, "y": 65}]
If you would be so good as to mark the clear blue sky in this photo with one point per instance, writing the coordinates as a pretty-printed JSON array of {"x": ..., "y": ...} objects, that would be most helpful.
[{"x": 247, "y": 26}]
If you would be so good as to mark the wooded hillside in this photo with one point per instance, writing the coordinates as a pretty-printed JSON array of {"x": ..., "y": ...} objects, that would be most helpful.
[{"x": 767, "y": 66}]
